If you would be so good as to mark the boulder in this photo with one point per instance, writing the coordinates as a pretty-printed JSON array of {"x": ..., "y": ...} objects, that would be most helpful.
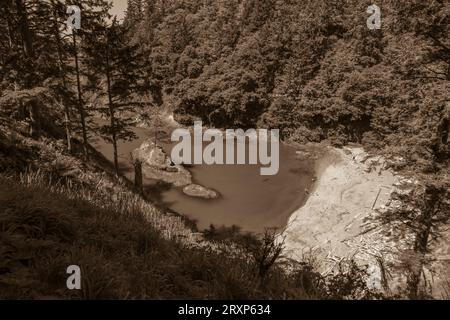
[
  {"x": 151, "y": 155},
  {"x": 195, "y": 190}
]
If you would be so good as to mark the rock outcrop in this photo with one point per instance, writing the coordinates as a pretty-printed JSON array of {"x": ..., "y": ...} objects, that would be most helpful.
[
  {"x": 156, "y": 165},
  {"x": 195, "y": 190}
]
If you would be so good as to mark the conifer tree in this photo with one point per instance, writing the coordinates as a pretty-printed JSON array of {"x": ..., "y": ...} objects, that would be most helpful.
[{"x": 115, "y": 73}]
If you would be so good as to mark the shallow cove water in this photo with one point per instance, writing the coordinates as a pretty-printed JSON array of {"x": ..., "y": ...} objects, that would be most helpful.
[{"x": 247, "y": 199}]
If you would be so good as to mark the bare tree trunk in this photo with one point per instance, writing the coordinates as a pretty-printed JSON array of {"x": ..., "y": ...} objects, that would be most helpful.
[
  {"x": 8, "y": 21},
  {"x": 27, "y": 39},
  {"x": 412, "y": 283},
  {"x": 80, "y": 98},
  {"x": 35, "y": 126},
  {"x": 156, "y": 130},
  {"x": 67, "y": 124},
  {"x": 111, "y": 112},
  {"x": 448, "y": 71},
  {"x": 138, "y": 176},
  {"x": 27, "y": 44},
  {"x": 429, "y": 211}
]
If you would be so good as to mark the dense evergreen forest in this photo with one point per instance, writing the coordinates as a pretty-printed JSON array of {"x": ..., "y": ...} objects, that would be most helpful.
[{"x": 311, "y": 68}]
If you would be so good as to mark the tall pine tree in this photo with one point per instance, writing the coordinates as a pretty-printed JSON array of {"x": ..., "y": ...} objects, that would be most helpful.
[{"x": 116, "y": 75}]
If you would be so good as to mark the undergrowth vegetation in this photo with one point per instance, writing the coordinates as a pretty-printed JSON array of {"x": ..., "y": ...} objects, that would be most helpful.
[{"x": 47, "y": 225}]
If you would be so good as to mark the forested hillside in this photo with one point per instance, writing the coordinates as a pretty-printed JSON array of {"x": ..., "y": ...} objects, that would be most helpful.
[{"x": 311, "y": 68}]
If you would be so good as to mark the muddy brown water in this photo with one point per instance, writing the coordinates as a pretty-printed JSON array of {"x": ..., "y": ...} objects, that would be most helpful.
[{"x": 247, "y": 199}]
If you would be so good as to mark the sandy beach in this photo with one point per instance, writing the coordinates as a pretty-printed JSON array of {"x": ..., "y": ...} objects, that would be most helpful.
[{"x": 333, "y": 224}]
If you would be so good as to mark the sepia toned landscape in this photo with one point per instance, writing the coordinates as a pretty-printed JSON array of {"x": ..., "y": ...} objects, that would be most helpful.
[{"x": 232, "y": 150}]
